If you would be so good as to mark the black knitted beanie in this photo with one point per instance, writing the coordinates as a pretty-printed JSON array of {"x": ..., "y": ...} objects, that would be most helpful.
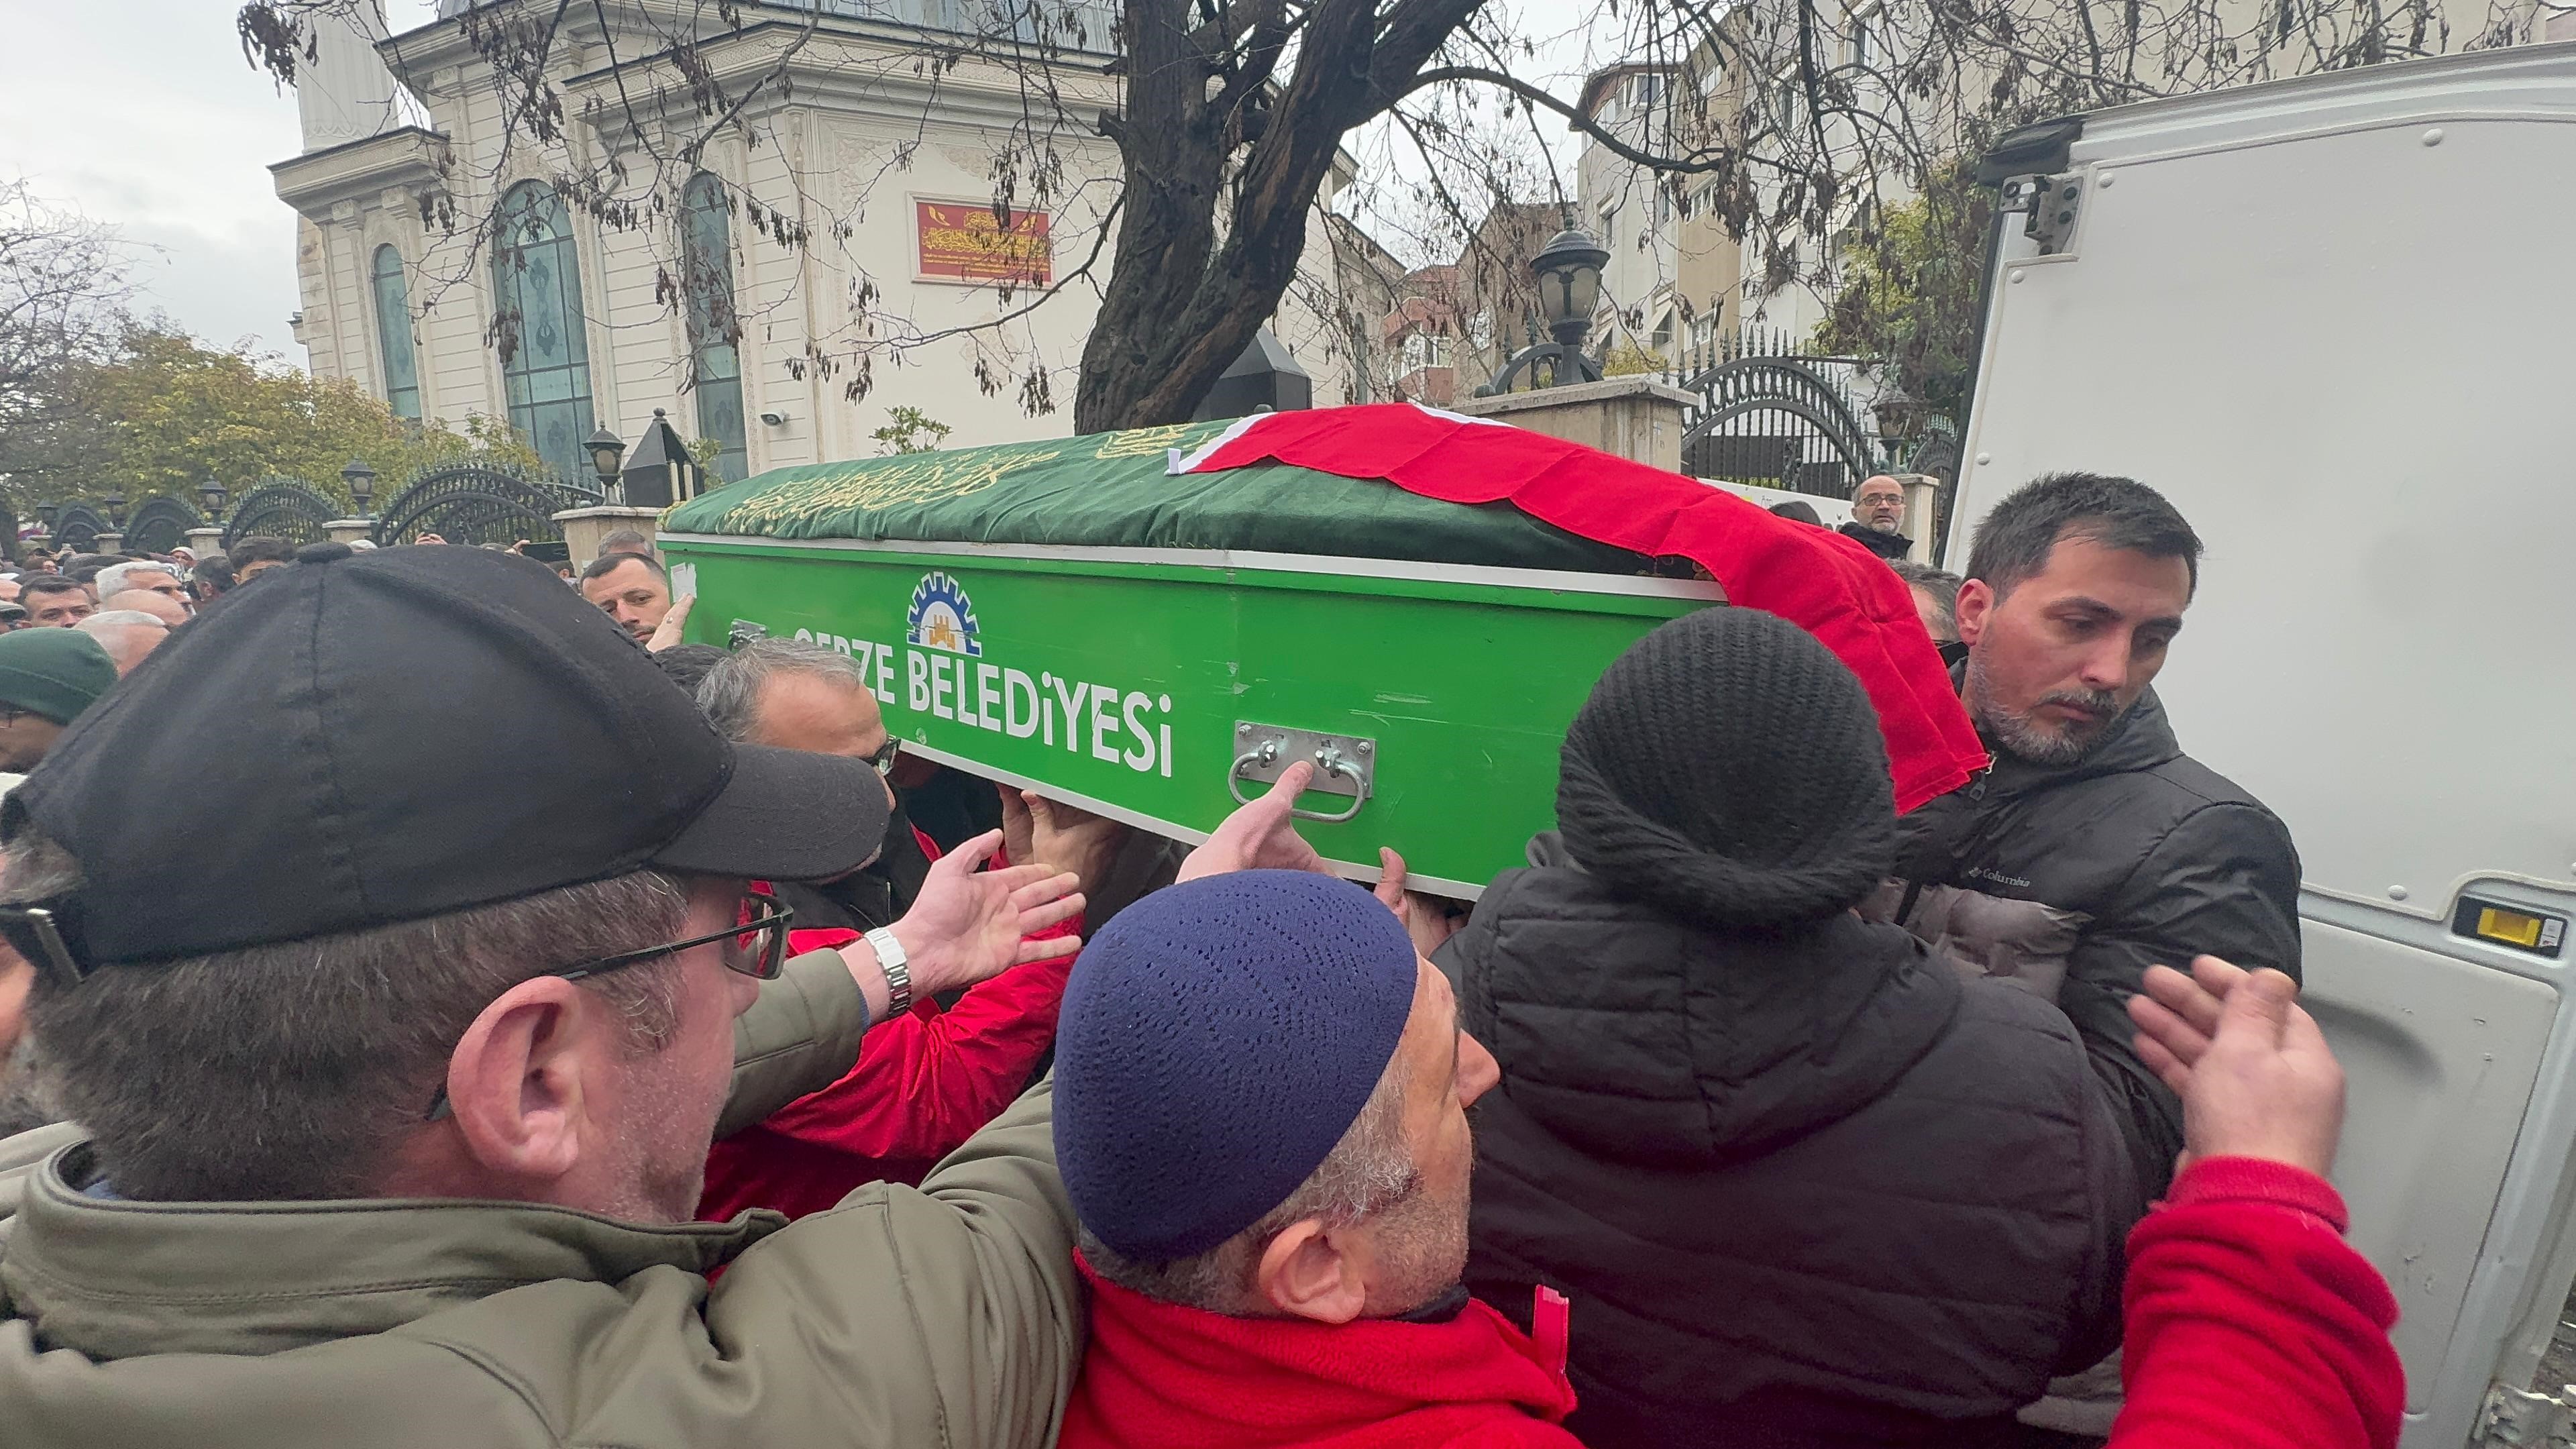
[{"x": 1729, "y": 769}]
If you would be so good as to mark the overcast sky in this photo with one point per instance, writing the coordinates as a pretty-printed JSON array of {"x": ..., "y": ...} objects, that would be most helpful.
[{"x": 143, "y": 114}]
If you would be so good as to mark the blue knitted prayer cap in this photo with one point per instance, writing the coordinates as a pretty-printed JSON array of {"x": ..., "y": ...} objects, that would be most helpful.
[{"x": 1216, "y": 1040}]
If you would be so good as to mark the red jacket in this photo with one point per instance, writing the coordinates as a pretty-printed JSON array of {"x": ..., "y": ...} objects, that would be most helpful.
[
  {"x": 2251, "y": 1324},
  {"x": 923, "y": 1084},
  {"x": 1159, "y": 1376}
]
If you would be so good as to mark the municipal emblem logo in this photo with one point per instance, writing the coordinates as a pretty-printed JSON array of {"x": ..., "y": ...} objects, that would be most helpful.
[{"x": 942, "y": 617}]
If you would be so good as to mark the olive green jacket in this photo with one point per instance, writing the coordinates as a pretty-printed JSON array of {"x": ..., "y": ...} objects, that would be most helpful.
[{"x": 946, "y": 1315}]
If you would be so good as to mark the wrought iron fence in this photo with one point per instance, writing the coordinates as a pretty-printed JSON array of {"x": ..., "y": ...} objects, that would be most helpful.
[
  {"x": 287, "y": 508},
  {"x": 1772, "y": 411},
  {"x": 483, "y": 501},
  {"x": 160, "y": 525}
]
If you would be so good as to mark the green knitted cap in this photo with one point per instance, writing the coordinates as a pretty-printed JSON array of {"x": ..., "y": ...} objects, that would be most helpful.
[{"x": 56, "y": 673}]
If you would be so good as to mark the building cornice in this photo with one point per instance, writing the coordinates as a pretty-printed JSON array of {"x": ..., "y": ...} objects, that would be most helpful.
[
  {"x": 813, "y": 46},
  {"x": 853, "y": 68},
  {"x": 408, "y": 156}
]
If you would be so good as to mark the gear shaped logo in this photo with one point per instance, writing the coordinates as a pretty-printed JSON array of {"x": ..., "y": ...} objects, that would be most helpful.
[{"x": 942, "y": 617}]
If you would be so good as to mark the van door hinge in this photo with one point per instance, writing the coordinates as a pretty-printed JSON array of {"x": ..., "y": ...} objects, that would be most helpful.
[
  {"x": 2050, "y": 204},
  {"x": 2521, "y": 1418}
]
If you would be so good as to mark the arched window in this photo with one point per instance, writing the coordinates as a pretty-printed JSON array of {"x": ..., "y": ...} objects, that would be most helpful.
[
  {"x": 545, "y": 361},
  {"x": 706, "y": 244},
  {"x": 393, "y": 330}
]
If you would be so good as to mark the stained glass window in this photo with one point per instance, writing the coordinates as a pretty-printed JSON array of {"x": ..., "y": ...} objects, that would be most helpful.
[
  {"x": 546, "y": 352},
  {"x": 706, "y": 237},
  {"x": 393, "y": 331}
]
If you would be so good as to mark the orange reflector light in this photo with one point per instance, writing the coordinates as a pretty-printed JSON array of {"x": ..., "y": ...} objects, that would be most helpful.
[{"x": 2511, "y": 927}]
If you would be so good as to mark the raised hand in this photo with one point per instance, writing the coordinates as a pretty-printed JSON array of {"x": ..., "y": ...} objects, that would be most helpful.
[
  {"x": 674, "y": 623},
  {"x": 1073, "y": 839},
  {"x": 2257, "y": 1080},
  {"x": 1260, "y": 836},
  {"x": 965, "y": 926},
  {"x": 2176, "y": 1015},
  {"x": 1423, "y": 919}
]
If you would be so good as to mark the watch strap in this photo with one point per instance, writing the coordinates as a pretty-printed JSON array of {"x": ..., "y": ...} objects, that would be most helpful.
[{"x": 897, "y": 967}]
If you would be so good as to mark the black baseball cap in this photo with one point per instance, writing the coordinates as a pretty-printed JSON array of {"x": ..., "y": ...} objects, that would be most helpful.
[{"x": 376, "y": 738}]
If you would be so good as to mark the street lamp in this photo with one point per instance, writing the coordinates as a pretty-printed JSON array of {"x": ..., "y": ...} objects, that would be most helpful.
[
  {"x": 115, "y": 509},
  {"x": 1898, "y": 414},
  {"x": 1569, "y": 283},
  {"x": 362, "y": 483},
  {"x": 607, "y": 456},
  {"x": 661, "y": 473},
  {"x": 1569, "y": 288},
  {"x": 46, "y": 513},
  {"x": 214, "y": 494}
]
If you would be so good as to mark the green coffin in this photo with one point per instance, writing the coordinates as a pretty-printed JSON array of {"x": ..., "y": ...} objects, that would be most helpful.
[{"x": 1064, "y": 616}]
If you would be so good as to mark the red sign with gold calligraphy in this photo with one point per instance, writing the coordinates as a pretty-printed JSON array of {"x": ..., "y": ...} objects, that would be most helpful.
[{"x": 962, "y": 241}]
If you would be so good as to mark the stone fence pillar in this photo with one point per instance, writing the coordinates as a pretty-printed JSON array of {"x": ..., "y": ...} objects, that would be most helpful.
[
  {"x": 205, "y": 543},
  {"x": 1921, "y": 518},
  {"x": 1636, "y": 418},
  {"x": 583, "y": 528},
  {"x": 349, "y": 530}
]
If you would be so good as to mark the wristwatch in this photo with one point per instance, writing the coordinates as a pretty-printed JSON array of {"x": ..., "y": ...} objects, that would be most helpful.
[{"x": 891, "y": 959}]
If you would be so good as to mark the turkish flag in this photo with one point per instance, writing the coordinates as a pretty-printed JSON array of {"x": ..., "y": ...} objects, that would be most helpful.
[{"x": 1815, "y": 578}]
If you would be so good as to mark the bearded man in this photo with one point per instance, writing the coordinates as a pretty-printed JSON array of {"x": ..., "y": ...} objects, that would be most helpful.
[{"x": 2074, "y": 593}]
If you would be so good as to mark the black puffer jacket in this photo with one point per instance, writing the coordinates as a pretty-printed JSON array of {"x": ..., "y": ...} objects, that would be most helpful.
[
  {"x": 2165, "y": 857},
  {"x": 1885, "y": 545},
  {"x": 1804, "y": 1189}
]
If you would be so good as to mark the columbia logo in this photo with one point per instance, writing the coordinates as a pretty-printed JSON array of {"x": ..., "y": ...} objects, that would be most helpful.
[{"x": 1998, "y": 877}]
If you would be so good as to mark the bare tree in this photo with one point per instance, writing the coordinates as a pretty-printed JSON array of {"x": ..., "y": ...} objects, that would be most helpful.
[
  {"x": 1792, "y": 123},
  {"x": 65, "y": 286}
]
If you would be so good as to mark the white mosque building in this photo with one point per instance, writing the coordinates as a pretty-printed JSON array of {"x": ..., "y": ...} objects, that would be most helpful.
[{"x": 882, "y": 160}]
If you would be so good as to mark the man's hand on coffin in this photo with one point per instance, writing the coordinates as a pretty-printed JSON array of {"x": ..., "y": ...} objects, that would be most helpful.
[
  {"x": 1426, "y": 919},
  {"x": 1039, "y": 831},
  {"x": 667, "y": 633},
  {"x": 966, "y": 925},
  {"x": 1261, "y": 835}
]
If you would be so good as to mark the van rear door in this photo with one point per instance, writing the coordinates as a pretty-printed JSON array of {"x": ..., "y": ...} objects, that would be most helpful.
[{"x": 2333, "y": 319}]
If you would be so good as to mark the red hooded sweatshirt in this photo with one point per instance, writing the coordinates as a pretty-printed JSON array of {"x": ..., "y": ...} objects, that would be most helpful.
[
  {"x": 923, "y": 1084},
  {"x": 1160, "y": 1376},
  {"x": 2251, "y": 1323}
]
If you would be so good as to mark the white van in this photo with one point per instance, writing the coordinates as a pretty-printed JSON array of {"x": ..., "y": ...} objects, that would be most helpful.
[{"x": 2334, "y": 320}]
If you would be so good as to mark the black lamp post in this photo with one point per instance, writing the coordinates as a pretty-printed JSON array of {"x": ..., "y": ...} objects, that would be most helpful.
[
  {"x": 115, "y": 509},
  {"x": 1898, "y": 415},
  {"x": 362, "y": 483},
  {"x": 1569, "y": 283},
  {"x": 214, "y": 495},
  {"x": 1569, "y": 288},
  {"x": 661, "y": 473},
  {"x": 46, "y": 513},
  {"x": 607, "y": 456}
]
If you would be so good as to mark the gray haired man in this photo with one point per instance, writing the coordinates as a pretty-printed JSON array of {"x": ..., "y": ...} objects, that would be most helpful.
[
  {"x": 393, "y": 1112},
  {"x": 149, "y": 575}
]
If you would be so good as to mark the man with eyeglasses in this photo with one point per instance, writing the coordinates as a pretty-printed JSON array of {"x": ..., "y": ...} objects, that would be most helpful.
[
  {"x": 393, "y": 1113},
  {"x": 927, "y": 1082},
  {"x": 793, "y": 695}
]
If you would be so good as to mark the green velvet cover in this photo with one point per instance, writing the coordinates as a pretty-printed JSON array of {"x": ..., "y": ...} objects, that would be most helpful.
[{"x": 1109, "y": 490}]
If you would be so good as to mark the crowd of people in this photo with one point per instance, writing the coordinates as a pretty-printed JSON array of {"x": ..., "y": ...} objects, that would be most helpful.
[{"x": 577, "y": 1036}]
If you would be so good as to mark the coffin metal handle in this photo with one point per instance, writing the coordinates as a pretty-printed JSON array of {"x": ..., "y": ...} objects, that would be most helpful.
[{"x": 1343, "y": 765}]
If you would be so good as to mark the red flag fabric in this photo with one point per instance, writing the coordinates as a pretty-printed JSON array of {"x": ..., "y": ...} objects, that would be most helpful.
[{"x": 1817, "y": 579}]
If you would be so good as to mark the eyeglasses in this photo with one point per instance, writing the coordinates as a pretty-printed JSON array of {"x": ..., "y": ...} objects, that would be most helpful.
[
  {"x": 755, "y": 946},
  {"x": 884, "y": 758},
  {"x": 52, "y": 938},
  {"x": 758, "y": 951}
]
